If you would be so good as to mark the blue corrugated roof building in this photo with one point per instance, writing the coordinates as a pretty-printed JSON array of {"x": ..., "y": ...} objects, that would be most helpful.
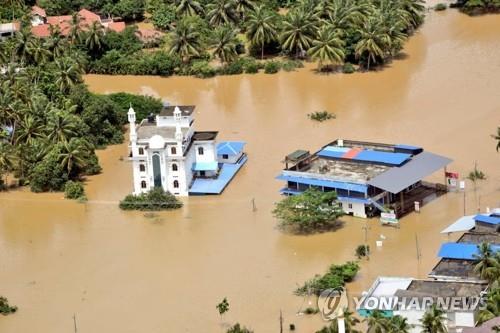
[
  {"x": 490, "y": 219},
  {"x": 230, "y": 147},
  {"x": 464, "y": 251}
]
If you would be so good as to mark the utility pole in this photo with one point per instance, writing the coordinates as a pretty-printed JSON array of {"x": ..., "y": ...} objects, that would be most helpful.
[
  {"x": 74, "y": 322},
  {"x": 254, "y": 207},
  {"x": 281, "y": 321},
  {"x": 366, "y": 227},
  {"x": 417, "y": 247}
]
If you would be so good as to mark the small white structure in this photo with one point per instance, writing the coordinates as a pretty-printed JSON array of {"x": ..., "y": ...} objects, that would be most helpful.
[
  {"x": 8, "y": 29},
  {"x": 38, "y": 16},
  {"x": 166, "y": 151}
]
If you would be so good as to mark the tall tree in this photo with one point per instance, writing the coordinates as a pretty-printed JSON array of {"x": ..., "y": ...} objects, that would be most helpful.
[
  {"x": 221, "y": 12},
  {"x": 327, "y": 47},
  {"x": 185, "y": 41},
  {"x": 374, "y": 41},
  {"x": 94, "y": 37},
  {"x": 376, "y": 322},
  {"x": 399, "y": 324},
  {"x": 74, "y": 154},
  {"x": 61, "y": 126},
  {"x": 485, "y": 263},
  {"x": 224, "y": 43},
  {"x": 298, "y": 32},
  {"x": 188, "y": 7},
  {"x": 68, "y": 74},
  {"x": 261, "y": 27},
  {"x": 434, "y": 320},
  {"x": 243, "y": 7}
]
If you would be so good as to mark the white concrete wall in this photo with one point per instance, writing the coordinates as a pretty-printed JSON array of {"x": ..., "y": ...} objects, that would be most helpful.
[
  {"x": 232, "y": 159},
  {"x": 357, "y": 209},
  {"x": 170, "y": 121},
  {"x": 209, "y": 152}
]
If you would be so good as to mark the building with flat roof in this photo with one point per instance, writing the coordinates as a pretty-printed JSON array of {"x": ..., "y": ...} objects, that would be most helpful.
[
  {"x": 368, "y": 177},
  {"x": 167, "y": 152}
]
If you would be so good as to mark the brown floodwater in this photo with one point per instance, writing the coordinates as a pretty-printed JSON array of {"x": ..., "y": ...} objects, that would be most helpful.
[{"x": 125, "y": 272}]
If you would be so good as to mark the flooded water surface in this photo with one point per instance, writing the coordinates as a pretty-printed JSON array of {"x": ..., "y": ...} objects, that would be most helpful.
[{"x": 124, "y": 272}]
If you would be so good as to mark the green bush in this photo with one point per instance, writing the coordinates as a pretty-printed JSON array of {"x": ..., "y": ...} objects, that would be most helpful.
[
  {"x": 143, "y": 105},
  {"x": 272, "y": 67},
  {"x": 48, "y": 175},
  {"x": 74, "y": 190},
  {"x": 321, "y": 116},
  {"x": 348, "y": 68},
  {"x": 252, "y": 68},
  {"x": 311, "y": 310},
  {"x": 336, "y": 277},
  {"x": 440, "y": 7},
  {"x": 362, "y": 251},
  {"x": 233, "y": 68},
  {"x": 291, "y": 65},
  {"x": 5, "y": 308},
  {"x": 156, "y": 199},
  {"x": 202, "y": 69},
  {"x": 237, "y": 328}
]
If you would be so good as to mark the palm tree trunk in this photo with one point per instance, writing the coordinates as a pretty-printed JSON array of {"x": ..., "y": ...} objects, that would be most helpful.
[
  {"x": 262, "y": 52},
  {"x": 369, "y": 57}
]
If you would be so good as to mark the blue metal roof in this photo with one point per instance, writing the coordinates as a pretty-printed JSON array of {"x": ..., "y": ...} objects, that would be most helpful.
[
  {"x": 205, "y": 166},
  {"x": 408, "y": 147},
  {"x": 366, "y": 155},
  {"x": 230, "y": 147},
  {"x": 216, "y": 186},
  {"x": 487, "y": 219},
  {"x": 326, "y": 183},
  {"x": 382, "y": 157},
  {"x": 465, "y": 251}
]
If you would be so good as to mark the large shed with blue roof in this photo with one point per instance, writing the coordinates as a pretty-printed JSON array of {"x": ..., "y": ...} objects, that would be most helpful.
[{"x": 368, "y": 177}]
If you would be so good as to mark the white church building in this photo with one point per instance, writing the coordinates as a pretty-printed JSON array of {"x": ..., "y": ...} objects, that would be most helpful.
[{"x": 167, "y": 152}]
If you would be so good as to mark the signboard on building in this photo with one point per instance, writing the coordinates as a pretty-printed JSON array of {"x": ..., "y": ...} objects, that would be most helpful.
[
  {"x": 451, "y": 178},
  {"x": 388, "y": 218}
]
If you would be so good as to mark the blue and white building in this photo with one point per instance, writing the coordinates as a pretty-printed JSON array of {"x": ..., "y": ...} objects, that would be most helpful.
[
  {"x": 368, "y": 177},
  {"x": 167, "y": 152}
]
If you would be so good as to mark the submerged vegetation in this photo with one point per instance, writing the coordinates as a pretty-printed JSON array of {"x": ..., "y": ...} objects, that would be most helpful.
[
  {"x": 311, "y": 211},
  {"x": 336, "y": 277},
  {"x": 5, "y": 308},
  {"x": 321, "y": 116},
  {"x": 155, "y": 199}
]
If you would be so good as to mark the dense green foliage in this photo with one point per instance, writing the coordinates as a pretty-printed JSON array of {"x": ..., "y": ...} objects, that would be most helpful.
[
  {"x": 143, "y": 105},
  {"x": 476, "y": 7},
  {"x": 237, "y": 328},
  {"x": 321, "y": 116},
  {"x": 5, "y": 308},
  {"x": 74, "y": 190},
  {"x": 336, "y": 277},
  {"x": 350, "y": 321},
  {"x": 50, "y": 123},
  {"x": 156, "y": 199},
  {"x": 310, "y": 211},
  {"x": 331, "y": 32}
]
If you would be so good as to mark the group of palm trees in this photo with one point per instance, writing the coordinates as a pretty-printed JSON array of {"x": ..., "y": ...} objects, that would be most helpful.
[
  {"x": 36, "y": 116},
  {"x": 328, "y": 31},
  {"x": 433, "y": 321}
]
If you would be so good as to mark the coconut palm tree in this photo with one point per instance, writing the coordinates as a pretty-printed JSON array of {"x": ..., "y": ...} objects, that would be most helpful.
[
  {"x": 298, "y": 31},
  {"x": 415, "y": 10},
  {"x": 497, "y": 137},
  {"x": 68, "y": 74},
  {"x": 94, "y": 36},
  {"x": 224, "y": 43},
  {"x": 75, "y": 33},
  {"x": 7, "y": 159},
  {"x": 243, "y": 7},
  {"x": 433, "y": 320},
  {"x": 188, "y": 7},
  {"x": 476, "y": 176},
  {"x": 30, "y": 128},
  {"x": 376, "y": 322},
  {"x": 38, "y": 52},
  {"x": 327, "y": 47},
  {"x": 492, "y": 308},
  {"x": 61, "y": 126},
  {"x": 56, "y": 43},
  {"x": 23, "y": 42},
  {"x": 374, "y": 41},
  {"x": 399, "y": 324},
  {"x": 350, "y": 321},
  {"x": 185, "y": 41},
  {"x": 485, "y": 263},
  {"x": 221, "y": 12},
  {"x": 74, "y": 153},
  {"x": 343, "y": 14},
  {"x": 261, "y": 27}
]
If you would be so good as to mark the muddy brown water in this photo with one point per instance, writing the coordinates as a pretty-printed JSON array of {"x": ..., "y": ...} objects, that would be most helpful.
[{"x": 124, "y": 272}]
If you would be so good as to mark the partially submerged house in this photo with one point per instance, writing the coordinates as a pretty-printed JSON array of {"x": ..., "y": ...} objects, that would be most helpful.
[
  {"x": 410, "y": 298},
  {"x": 167, "y": 152},
  {"x": 368, "y": 177},
  {"x": 457, "y": 259}
]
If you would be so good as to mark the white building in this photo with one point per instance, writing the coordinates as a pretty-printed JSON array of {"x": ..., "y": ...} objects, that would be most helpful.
[{"x": 166, "y": 152}]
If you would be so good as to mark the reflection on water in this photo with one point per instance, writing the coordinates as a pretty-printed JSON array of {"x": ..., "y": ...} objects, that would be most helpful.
[{"x": 124, "y": 272}]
